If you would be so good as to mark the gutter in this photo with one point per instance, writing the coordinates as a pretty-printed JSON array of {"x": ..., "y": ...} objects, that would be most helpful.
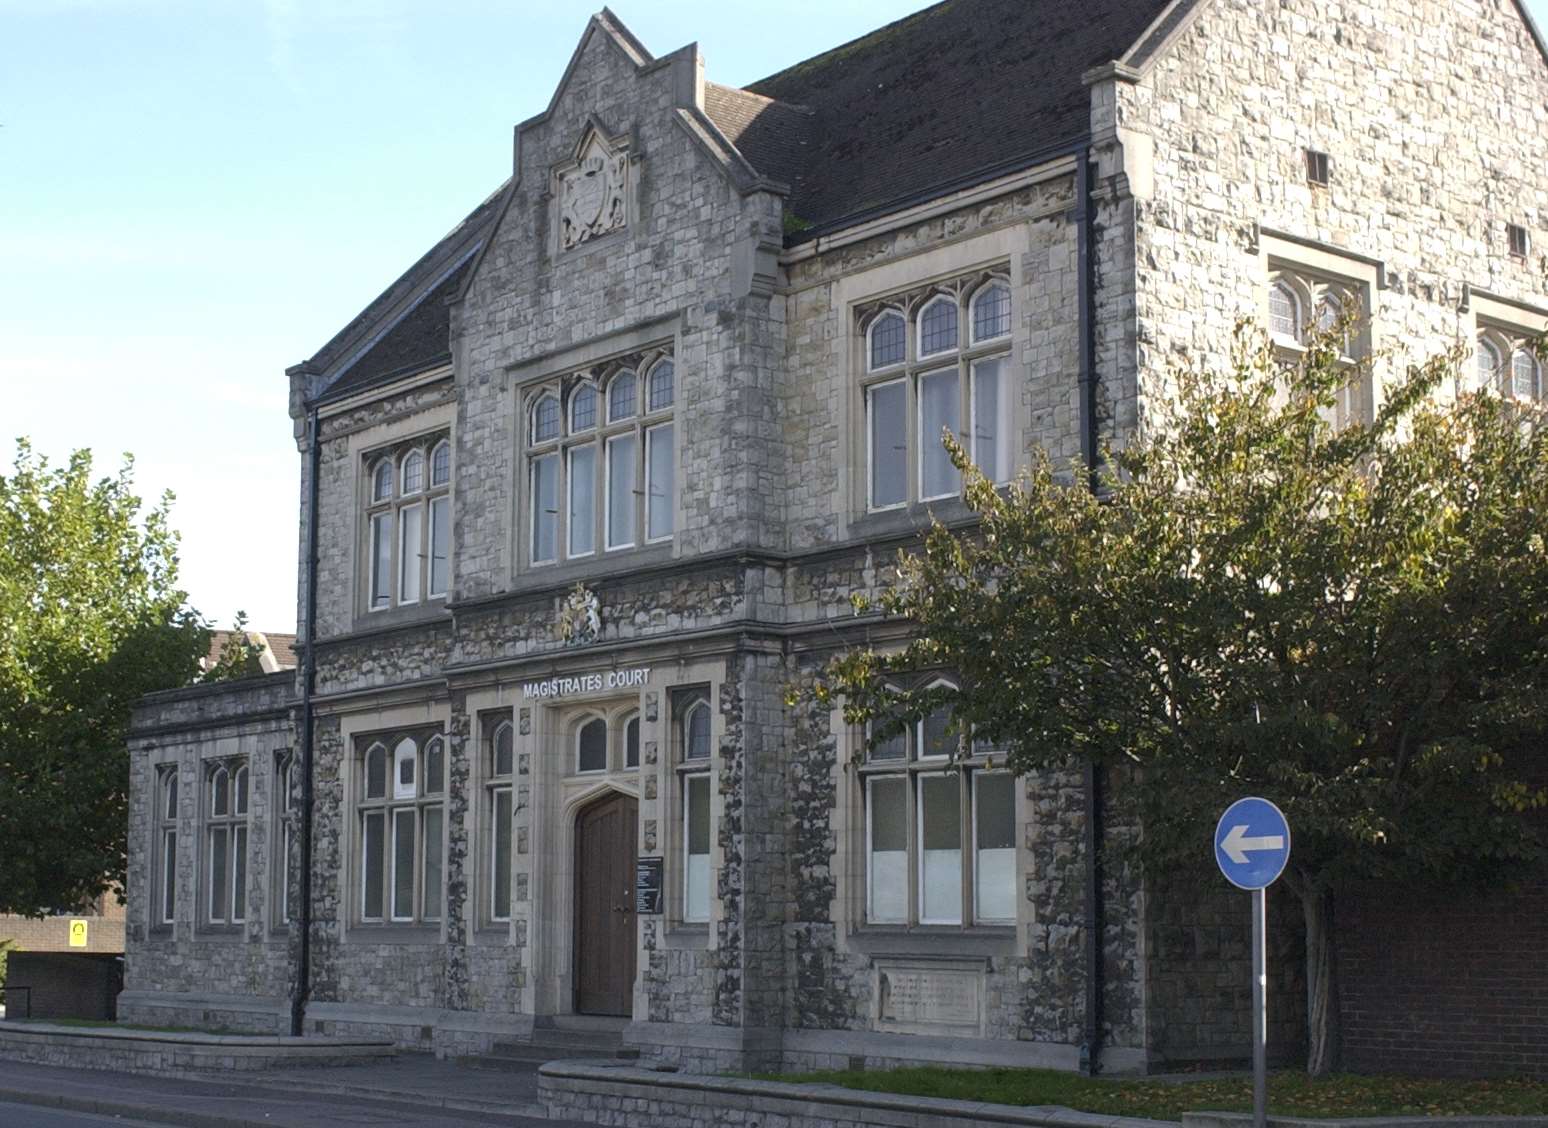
[
  {"x": 303, "y": 985},
  {"x": 1095, "y": 910}
]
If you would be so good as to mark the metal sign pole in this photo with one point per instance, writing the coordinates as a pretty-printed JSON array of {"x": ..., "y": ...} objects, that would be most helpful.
[{"x": 1259, "y": 1008}]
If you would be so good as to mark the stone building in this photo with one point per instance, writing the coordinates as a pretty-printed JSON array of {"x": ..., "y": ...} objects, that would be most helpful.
[{"x": 590, "y": 487}]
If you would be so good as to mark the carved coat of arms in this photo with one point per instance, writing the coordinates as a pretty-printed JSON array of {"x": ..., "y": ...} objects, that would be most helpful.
[
  {"x": 593, "y": 197},
  {"x": 580, "y": 616}
]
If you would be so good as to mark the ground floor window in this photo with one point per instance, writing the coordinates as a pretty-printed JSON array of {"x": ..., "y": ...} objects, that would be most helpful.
[{"x": 402, "y": 829}]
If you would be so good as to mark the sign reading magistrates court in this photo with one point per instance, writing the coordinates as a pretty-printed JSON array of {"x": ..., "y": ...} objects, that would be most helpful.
[{"x": 587, "y": 683}]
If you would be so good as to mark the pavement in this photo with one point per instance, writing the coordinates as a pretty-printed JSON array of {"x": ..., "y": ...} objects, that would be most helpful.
[{"x": 410, "y": 1089}]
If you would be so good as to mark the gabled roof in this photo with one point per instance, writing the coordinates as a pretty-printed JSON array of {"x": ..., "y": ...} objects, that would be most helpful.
[
  {"x": 408, "y": 326},
  {"x": 962, "y": 89}
]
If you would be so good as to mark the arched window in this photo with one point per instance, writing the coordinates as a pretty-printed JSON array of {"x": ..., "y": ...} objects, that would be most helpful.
[
  {"x": 501, "y": 749},
  {"x": 1525, "y": 376},
  {"x": 413, "y": 472},
  {"x": 583, "y": 408},
  {"x": 696, "y": 732},
  {"x": 591, "y": 746},
  {"x": 694, "y": 780},
  {"x": 621, "y": 397},
  {"x": 991, "y": 312},
  {"x": 1488, "y": 364},
  {"x": 220, "y": 792},
  {"x": 402, "y": 830},
  {"x": 1285, "y": 312},
  {"x": 545, "y": 419},
  {"x": 440, "y": 464},
  {"x": 631, "y": 756},
  {"x": 225, "y": 838},
  {"x": 166, "y": 843},
  {"x": 497, "y": 805},
  {"x": 938, "y": 326},
  {"x": 887, "y": 340},
  {"x": 381, "y": 481},
  {"x": 1329, "y": 310},
  {"x": 661, "y": 389},
  {"x": 376, "y": 772}
]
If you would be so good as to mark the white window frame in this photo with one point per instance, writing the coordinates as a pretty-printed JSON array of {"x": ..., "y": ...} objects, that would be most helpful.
[
  {"x": 1313, "y": 292},
  {"x": 604, "y": 439},
  {"x": 499, "y": 781},
  {"x": 693, "y": 772},
  {"x": 966, "y": 765},
  {"x": 1510, "y": 328},
  {"x": 285, "y": 817},
  {"x": 165, "y": 913},
  {"x": 425, "y": 801},
  {"x": 409, "y": 578},
  {"x": 231, "y": 825},
  {"x": 963, "y": 294}
]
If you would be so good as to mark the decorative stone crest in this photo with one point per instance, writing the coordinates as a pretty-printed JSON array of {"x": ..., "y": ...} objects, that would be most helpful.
[
  {"x": 593, "y": 193},
  {"x": 580, "y": 616}
]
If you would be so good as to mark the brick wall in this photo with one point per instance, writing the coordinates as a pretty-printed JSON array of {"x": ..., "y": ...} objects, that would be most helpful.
[{"x": 1445, "y": 983}]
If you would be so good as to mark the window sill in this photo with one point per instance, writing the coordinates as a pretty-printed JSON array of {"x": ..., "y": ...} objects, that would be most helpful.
[
  {"x": 935, "y": 940},
  {"x": 913, "y": 518},
  {"x": 427, "y": 610},
  {"x": 494, "y": 934},
  {"x": 394, "y": 933},
  {"x": 220, "y": 931},
  {"x": 685, "y": 937},
  {"x": 615, "y": 562}
]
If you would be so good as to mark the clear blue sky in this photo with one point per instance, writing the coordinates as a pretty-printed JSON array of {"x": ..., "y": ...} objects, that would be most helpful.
[{"x": 195, "y": 194}]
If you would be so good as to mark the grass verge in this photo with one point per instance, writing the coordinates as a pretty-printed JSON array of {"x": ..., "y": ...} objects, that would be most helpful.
[{"x": 1290, "y": 1094}]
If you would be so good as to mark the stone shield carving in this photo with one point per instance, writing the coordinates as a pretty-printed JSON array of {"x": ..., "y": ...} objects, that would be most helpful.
[{"x": 593, "y": 194}]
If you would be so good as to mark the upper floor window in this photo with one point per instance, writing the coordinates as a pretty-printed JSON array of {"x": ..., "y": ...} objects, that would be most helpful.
[
  {"x": 940, "y": 829},
  {"x": 1507, "y": 365},
  {"x": 602, "y": 470},
  {"x": 225, "y": 870},
  {"x": 952, "y": 372},
  {"x": 1301, "y": 304},
  {"x": 400, "y": 810},
  {"x": 408, "y": 524}
]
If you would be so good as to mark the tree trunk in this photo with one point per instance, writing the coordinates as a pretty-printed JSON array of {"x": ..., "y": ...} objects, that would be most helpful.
[{"x": 1323, "y": 1042}]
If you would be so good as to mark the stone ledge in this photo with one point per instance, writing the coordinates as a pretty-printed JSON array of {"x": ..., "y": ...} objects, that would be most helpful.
[
  {"x": 1243, "y": 1119},
  {"x": 651, "y": 1099},
  {"x": 157, "y": 1051}
]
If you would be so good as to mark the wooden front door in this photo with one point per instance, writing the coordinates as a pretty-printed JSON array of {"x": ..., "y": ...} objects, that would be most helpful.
[{"x": 605, "y": 837}]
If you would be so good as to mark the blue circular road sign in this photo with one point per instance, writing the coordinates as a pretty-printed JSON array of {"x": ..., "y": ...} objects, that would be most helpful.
[{"x": 1252, "y": 843}]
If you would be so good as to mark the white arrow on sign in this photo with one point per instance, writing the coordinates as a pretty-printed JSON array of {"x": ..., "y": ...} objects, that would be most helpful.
[{"x": 1236, "y": 843}]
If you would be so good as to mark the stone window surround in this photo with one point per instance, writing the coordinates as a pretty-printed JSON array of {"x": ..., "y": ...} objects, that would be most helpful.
[
  {"x": 1506, "y": 324},
  {"x": 486, "y": 784},
  {"x": 395, "y": 457},
  {"x": 167, "y": 817},
  {"x": 916, "y": 936},
  {"x": 1004, "y": 248},
  {"x": 662, "y": 334},
  {"x": 642, "y": 423},
  {"x": 391, "y": 805},
  {"x": 284, "y": 818},
  {"x": 407, "y": 427},
  {"x": 962, "y": 292},
  {"x": 234, "y": 774},
  {"x": 1314, "y": 271},
  {"x": 683, "y": 702},
  {"x": 356, "y": 732}
]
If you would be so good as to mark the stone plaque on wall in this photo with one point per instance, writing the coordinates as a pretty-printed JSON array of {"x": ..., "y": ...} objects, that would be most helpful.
[{"x": 920, "y": 997}]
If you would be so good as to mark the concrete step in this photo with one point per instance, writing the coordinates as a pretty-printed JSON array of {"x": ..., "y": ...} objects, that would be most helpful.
[{"x": 561, "y": 1038}]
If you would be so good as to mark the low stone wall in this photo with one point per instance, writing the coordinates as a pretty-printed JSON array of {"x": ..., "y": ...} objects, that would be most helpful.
[
  {"x": 642, "y": 1098},
  {"x": 149, "y": 1051},
  {"x": 218, "y": 1014}
]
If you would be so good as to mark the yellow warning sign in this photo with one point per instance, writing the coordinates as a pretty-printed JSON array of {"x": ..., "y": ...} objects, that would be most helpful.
[{"x": 77, "y": 934}]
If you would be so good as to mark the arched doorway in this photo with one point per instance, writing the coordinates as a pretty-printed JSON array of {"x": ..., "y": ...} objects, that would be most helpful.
[{"x": 606, "y": 833}]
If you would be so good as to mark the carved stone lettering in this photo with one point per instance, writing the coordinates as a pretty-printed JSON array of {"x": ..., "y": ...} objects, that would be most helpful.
[{"x": 924, "y": 999}]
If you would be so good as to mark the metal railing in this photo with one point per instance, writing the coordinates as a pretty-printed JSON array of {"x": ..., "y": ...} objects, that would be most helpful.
[{"x": 9, "y": 1001}]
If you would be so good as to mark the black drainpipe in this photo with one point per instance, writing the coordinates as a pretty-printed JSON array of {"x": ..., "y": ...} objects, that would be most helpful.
[
  {"x": 298, "y": 997},
  {"x": 1091, "y": 1049}
]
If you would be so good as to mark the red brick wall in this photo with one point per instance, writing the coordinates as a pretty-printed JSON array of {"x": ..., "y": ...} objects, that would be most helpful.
[{"x": 1448, "y": 984}]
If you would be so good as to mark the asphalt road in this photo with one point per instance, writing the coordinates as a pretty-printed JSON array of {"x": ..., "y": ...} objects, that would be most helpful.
[{"x": 32, "y": 1116}]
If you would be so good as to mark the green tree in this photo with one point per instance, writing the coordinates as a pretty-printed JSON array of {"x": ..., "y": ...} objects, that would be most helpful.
[
  {"x": 1352, "y": 623},
  {"x": 90, "y": 618}
]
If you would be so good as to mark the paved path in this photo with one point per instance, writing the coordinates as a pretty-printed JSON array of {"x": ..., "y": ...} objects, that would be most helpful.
[{"x": 411, "y": 1089}]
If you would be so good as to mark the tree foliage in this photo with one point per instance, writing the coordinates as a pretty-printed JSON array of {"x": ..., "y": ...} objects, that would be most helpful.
[
  {"x": 1352, "y": 623},
  {"x": 91, "y": 618}
]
